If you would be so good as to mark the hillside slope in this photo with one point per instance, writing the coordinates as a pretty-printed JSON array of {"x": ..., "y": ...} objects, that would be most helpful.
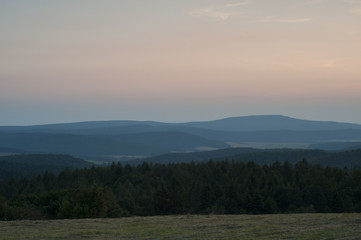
[
  {"x": 349, "y": 158},
  {"x": 33, "y": 164},
  {"x": 122, "y": 144},
  {"x": 123, "y": 139},
  {"x": 271, "y": 123}
]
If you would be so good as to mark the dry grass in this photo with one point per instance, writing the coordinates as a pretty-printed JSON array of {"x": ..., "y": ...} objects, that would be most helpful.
[{"x": 288, "y": 226}]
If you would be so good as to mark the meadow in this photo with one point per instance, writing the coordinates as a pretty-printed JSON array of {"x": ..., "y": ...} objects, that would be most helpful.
[{"x": 277, "y": 226}]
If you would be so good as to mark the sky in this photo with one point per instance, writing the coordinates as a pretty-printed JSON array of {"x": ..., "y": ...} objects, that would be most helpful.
[{"x": 177, "y": 61}]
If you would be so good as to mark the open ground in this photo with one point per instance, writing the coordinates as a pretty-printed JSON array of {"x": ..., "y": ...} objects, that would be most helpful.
[{"x": 284, "y": 226}]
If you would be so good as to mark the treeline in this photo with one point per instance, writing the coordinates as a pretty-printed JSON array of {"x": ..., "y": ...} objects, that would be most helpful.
[
  {"x": 27, "y": 165},
  {"x": 222, "y": 187}
]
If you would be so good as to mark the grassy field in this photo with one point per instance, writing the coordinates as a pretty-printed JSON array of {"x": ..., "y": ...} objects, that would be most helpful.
[{"x": 292, "y": 226}]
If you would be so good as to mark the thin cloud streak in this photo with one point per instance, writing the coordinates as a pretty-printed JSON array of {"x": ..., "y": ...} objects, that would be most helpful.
[
  {"x": 287, "y": 20},
  {"x": 353, "y": 1},
  {"x": 220, "y": 12},
  {"x": 328, "y": 1},
  {"x": 211, "y": 12},
  {"x": 229, "y": 5}
]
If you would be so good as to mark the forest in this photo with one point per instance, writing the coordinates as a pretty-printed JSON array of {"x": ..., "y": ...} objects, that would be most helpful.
[{"x": 211, "y": 187}]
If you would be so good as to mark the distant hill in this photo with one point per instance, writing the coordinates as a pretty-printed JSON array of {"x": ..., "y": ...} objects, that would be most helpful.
[
  {"x": 336, "y": 146},
  {"x": 350, "y": 159},
  {"x": 195, "y": 156},
  {"x": 10, "y": 151},
  {"x": 126, "y": 139},
  {"x": 244, "y": 123},
  {"x": 33, "y": 164},
  {"x": 66, "y": 127},
  {"x": 271, "y": 123},
  {"x": 150, "y": 143}
]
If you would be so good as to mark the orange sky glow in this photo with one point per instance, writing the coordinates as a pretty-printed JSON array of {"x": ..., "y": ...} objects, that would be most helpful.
[{"x": 64, "y": 61}]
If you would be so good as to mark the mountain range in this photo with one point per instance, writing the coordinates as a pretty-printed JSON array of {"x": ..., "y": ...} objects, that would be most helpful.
[{"x": 122, "y": 140}]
